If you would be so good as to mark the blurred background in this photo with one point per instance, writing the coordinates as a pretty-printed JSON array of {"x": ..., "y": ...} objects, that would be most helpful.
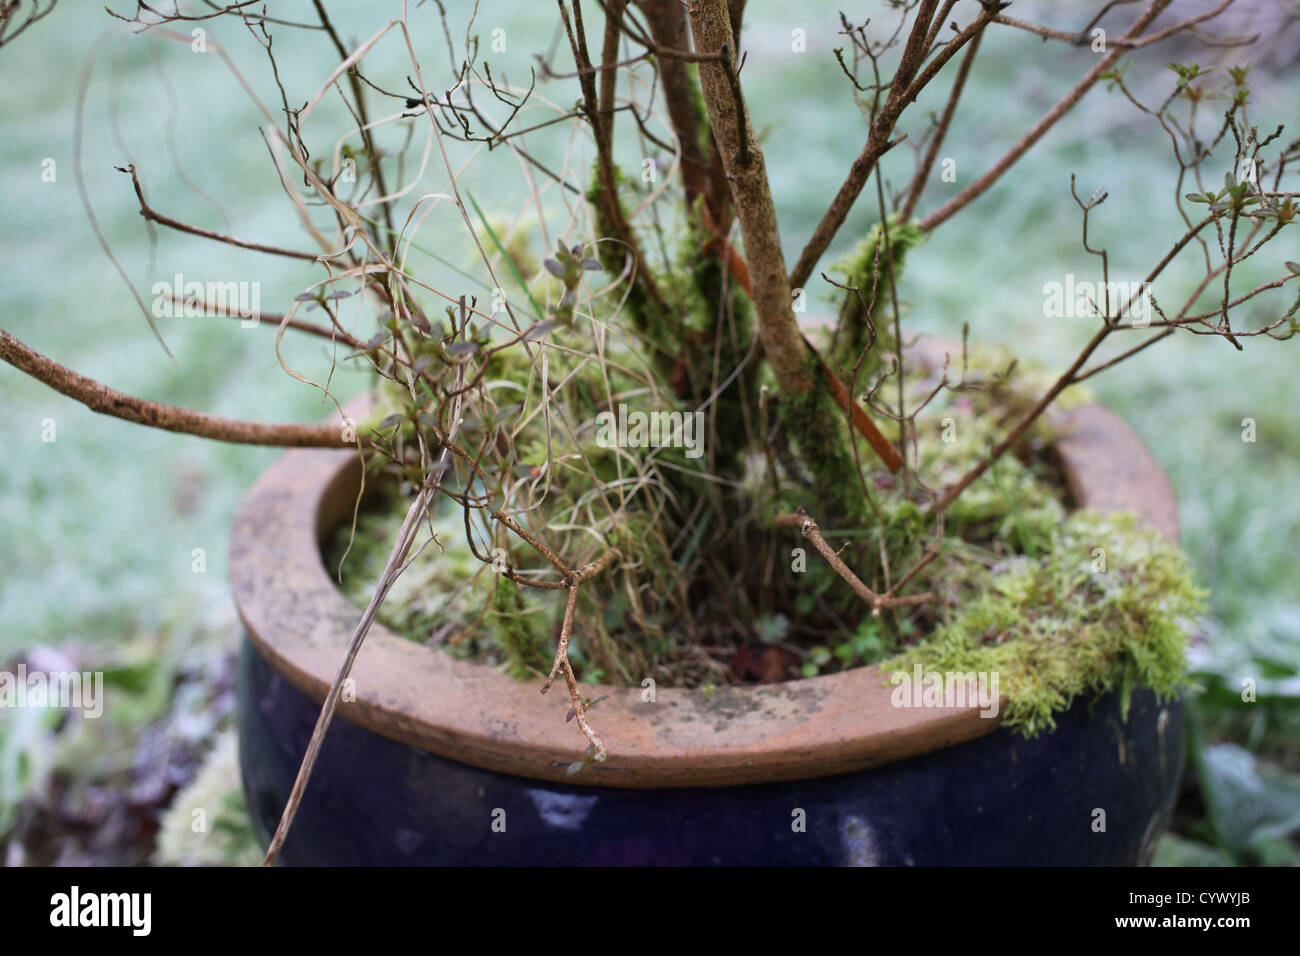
[{"x": 101, "y": 529}]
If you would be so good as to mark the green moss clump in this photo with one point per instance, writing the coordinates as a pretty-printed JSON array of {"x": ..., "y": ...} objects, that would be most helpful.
[
  {"x": 819, "y": 433},
  {"x": 721, "y": 318},
  {"x": 229, "y": 838},
  {"x": 519, "y": 632},
  {"x": 857, "y": 270},
  {"x": 433, "y": 591},
  {"x": 1054, "y": 629},
  {"x": 660, "y": 332},
  {"x": 1017, "y": 593},
  {"x": 701, "y": 115}
]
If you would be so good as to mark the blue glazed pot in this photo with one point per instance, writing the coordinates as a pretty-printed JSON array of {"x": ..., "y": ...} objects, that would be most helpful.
[
  {"x": 441, "y": 761},
  {"x": 1000, "y": 800}
]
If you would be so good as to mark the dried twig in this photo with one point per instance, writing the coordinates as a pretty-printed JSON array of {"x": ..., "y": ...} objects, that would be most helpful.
[
  {"x": 405, "y": 538},
  {"x": 878, "y": 602},
  {"x": 100, "y": 398}
]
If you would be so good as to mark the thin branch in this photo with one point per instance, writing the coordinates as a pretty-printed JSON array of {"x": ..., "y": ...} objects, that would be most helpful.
[
  {"x": 152, "y": 215},
  {"x": 269, "y": 319},
  {"x": 977, "y": 188},
  {"x": 100, "y": 398},
  {"x": 923, "y": 172},
  {"x": 405, "y": 538},
  {"x": 1082, "y": 37},
  {"x": 1122, "y": 356},
  {"x": 878, "y": 143},
  {"x": 782, "y": 341},
  {"x": 808, "y": 527},
  {"x": 1066, "y": 379}
]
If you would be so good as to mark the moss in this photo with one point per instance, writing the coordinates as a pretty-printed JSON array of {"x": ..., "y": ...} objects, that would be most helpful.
[
  {"x": 1054, "y": 629},
  {"x": 1019, "y": 500},
  {"x": 1014, "y": 590},
  {"x": 725, "y": 335},
  {"x": 815, "y": 425},
  {"x": 660, "y": 331},
  {"x": 207, "y": 823},
  {"x": 433, "y": 591},
  {"x": 701, "y": 114},
  {"x": 519, "y": 632},
  {"x": 857, "y": 270},
  {"x": 1019, "y": 597}
]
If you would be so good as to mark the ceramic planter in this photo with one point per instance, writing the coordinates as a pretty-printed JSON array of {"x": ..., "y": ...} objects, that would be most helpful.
[{"x": 440, "y": 761}]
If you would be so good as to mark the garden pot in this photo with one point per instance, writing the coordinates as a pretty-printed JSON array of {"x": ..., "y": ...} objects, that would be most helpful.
[{"x": 442, "y": 761}]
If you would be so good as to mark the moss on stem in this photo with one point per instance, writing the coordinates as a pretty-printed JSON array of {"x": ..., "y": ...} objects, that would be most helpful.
[{"x": 815, "y": 425}]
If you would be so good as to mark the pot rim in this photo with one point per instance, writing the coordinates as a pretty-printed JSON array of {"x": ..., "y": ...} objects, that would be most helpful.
[{"x": 300, "y": 621}]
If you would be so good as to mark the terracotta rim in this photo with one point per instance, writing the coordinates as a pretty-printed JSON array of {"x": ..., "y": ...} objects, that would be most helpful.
[{"x": 301, "y": 622}]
